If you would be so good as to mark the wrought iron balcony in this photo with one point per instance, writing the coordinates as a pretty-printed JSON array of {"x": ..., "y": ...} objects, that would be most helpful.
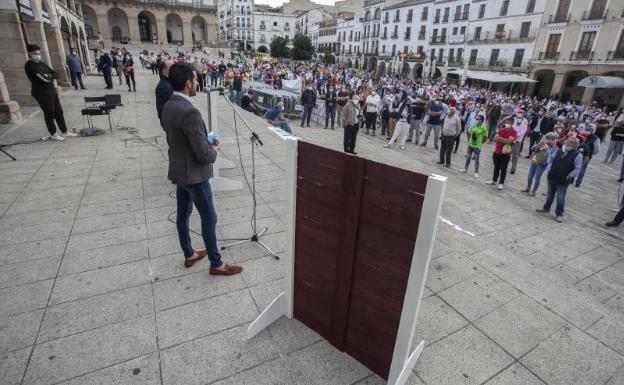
[
  {"x": 581, "y": 55},
  {"x": 421, "y": 36},
  {"x": 548, "y": 55},
  {"x": 384, "y": 36},
  {"x": 425, "y": 16},
  {"x": 615, "y": 55},
  {"x": 559, "y": 18},
  {"x": 437, "y": 40},
  {"x": 445, "y": 19},
  {"x": 436, "y": 20},
  {"x": 595, "y": 14},
  {"x": 394, "y": 36},
  {"x": 509, "y": 36}
]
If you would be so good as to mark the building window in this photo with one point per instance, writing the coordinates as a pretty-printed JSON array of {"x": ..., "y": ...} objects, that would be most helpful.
[
  {"x": 494, "y": 57},
  {"x": 383, "y": 49},
  {"x": 410, "y": 14},
  {"x": 396, "y": 32},
  {"x": 552, "y": 46},
  {"x": 447, "y": 11},
  {"x": 587, "y": 43},
  {"x": 408, "y": 32},
  {"x": 473, "y": 57},
  {"x": 504, "y": 8},
  {"x": 525, "y": 29},
  {"x": 500, "y": 31},
  {"x": 562, "y": 11},
  {"x": 466, "y": 11},
  {"x": 460, "y": 54},
  {"x": 454, "y": 31},
  {"x": 425, "y": 14},
  {"x": 530, "y": 6},
  {"x": 275, "y": 23},
  {"x": 397, "y": 15},
  {"x": 457, "y": 13},
  {"x": 393, "y": 49},
  {"x": 441, "y": 56},
  {"x": 481, "y": 11},
  {"x": 422, "y": 33},
  {"x": 451, "y": 52},
  {"x": 462, "y": 30},
  {"x": 518, "y": 56},
  {"x": 597, "y": 9}
]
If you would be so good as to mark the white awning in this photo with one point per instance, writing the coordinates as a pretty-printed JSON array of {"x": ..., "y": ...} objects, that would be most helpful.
[
  {"x": 602, "y": 82},
  {"x": 493, "y": 77}
]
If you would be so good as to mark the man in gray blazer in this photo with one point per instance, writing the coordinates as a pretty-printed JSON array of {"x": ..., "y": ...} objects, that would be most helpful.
[{"x": 190, "y": 167}]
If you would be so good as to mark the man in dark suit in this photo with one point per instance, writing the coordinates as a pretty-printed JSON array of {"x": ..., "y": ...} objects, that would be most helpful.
[
  {"x": 540, "y": 125},
  {"x": 190, "y": 167}
]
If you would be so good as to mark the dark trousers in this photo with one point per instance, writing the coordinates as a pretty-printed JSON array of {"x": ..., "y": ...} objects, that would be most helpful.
[
  {"x": 619, "y": 218},
  {"x": 446, "y": 148},
  {"x": 108, "y": 77},
  {"x": 200, "y": 195},
  {"x": 52, "y": 111},
  {"x": 307, "y": 114},
  {"x": 371, "y": 121},
  {"x": 130, "y": 76},
  {"x": 76, "y": 78},
  {"x": 560, "y": 190},
  {"x": 350, "y": 133},
  {"x": 456, "y": 141},
  {"x": 500, "y": 167},
  {"x": 330, "y": 113},
  {"x": 534, "y": 139}
]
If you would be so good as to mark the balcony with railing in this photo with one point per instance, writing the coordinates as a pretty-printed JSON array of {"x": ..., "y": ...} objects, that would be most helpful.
[
  {"x": 595, "y": 14},
  {"x": 456, "y": 62},
  {"x": 262, "y": 26},
  {"x": 509, "y": 36},
  {"x": 615, "y": 55},
  {"x": 286, "y": 28},
  {"x": 384, "y": 36},
  {"x": 445, "y": 19},
  {"x": 422, "y": 36},
  {"x": 396, "y": 19},
  {"x": 548, "y": 55},
  {"x": 425, "y": 16},
  {"x": 559, "y": 18},
  {"x": 437, "y": 39},
  {"x": 500, "y": 64},
  {"x": 409, "y": 17},
  {"x": 386, "y": 20},
  {"x": 394, "y": 36},
  {"x": 581, "y": 55}
]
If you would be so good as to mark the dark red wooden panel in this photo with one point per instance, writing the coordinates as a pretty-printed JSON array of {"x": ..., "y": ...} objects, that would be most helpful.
[
  {"x": 329, "y": 186},
  {"x": 390, "y": 212}
]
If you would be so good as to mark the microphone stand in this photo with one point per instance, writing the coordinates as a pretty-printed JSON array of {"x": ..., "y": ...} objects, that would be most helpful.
[{"x": 255, "y": 141}]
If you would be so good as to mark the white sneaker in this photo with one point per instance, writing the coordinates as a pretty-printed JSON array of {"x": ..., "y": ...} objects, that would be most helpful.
[
  {"x": 500, "y": 186},
  {"x": 489, "y": 182},
  {"x": 386, "y": 145},
  {"x": 70, "y": 135},
  {"x": 58, "y": 137},
  {"x": 46, "y": 138},
  {"x": 463, "y": 170},
  {"x": 476, "y": 175},
  {"x": 402, "y": 147}
]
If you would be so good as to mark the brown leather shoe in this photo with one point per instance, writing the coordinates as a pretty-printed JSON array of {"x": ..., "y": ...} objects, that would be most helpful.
[
  {"x": 199, "y": 254},
  {"x": 227, "y": 270}
]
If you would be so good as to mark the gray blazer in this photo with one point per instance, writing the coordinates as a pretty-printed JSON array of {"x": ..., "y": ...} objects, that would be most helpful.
[{"x": 190, "y": 155}]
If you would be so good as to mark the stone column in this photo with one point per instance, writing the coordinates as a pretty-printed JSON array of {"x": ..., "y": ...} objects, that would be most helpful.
[
  {"x": 187, "y": 32},
  {"x": 162, "y": 30},
  {"x": 133, "y": 25},
  {"x": 10, "y": 111},
  {"x": 557, "y": 86},
  {"x": 211, "y": 29},
  {"x": 102, "y": 19},
  {"x": 588, "y": 95},
  {"x": 57, "y": 53}
]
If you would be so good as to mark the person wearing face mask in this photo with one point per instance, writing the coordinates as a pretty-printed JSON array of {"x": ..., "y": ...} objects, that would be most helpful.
[
  {"x": 434, "y": 121},
  {"x": 330, "y": 107},
  {"x": 504, "y": 139},
  {"x": 75, "y": 69},
  {"x": 372, "y": 104},
  {"x": 542, "y": 155},
  {"x": 350, "y": 120},
  {"x": 450, "y": 129},
  {"x": 341, "y": 100},
  {"x": 191, "y": 157},
  {"x": 540, "y": 125},
  {"x": 520, "y": 124},
  {"x": 128, "y": 69},
  {"x": 44, "y": 92},
  {"x": 276, "y": 117},
  {"x": 477, "y": 135},
  {"x": 562, "y": 171},
  {"x": 401, "y": 129},
  {"x": 308, "y": 99}
]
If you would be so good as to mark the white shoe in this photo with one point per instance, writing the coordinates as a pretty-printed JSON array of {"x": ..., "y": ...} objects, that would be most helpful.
[
  {"x": 386, "y": 145},
  {"x": 402, "y": 147},
  {"x": 489, "y": 182},
  {"x": 58, "y": 137},
  {"x": 500, "y": 186},
  {"x": 463, "y": 170},
  {"x": 70, "y": 135},
  {"x": 46, "y": 138},
  {"x": 476, "y": 175}
]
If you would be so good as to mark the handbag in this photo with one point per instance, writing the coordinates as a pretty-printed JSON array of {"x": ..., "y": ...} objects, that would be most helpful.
[{"x": 506, "y": 149}]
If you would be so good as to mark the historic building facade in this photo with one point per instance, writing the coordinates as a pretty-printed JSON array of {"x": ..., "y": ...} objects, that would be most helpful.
[
  {"x": 137, "y": 22},
  {"x": 236, "y": 23},
  {"x": 272, "y": 22},
  {"x": 578, "y": 39}
]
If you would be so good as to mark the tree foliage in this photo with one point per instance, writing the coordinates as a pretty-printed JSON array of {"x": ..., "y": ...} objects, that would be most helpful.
[
  {"x": 279, "y": 47},
  {"x": 302, "y": 48},
  {"x": 328, "y": 57}
]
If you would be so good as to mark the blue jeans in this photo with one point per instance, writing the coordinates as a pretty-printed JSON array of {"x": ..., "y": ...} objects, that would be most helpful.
[
  {"x": 491, "y": 129},
  {"x": 579, "y": 178},
  {"x": 330, "y": 113},
  {"x": 286, "y": 127},
  {"x": 199, "y": 194},
  {"x": 473, "y": 153},
  {"x": 307, "y": 114},
  {"x": 560, "y": 190},
  {"x": 535, "y": 175}
]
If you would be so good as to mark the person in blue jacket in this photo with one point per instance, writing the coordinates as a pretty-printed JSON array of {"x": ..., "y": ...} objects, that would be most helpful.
[{"x": 75, "y": 69}]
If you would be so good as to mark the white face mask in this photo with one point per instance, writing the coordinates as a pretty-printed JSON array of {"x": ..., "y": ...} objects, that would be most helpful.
[
  {"x": 507, "y": 125},
  {"x": 564, "y": 148},
  {"x": 36, "y": 57}
]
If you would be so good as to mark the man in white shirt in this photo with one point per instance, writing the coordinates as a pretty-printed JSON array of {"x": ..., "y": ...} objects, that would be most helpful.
[
  {"x": 521, "y": 125},
  {"x": 450, "y": 129},
  {"x": 372, "y": 103}
]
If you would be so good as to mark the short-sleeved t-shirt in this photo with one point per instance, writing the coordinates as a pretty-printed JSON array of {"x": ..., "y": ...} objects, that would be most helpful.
[
  {"x": 435, "y": 120},
  {"x": 504, "y": 133}
]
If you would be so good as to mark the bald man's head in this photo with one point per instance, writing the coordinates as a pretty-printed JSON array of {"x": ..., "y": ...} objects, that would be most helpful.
[{"x": 164, "y": 67}]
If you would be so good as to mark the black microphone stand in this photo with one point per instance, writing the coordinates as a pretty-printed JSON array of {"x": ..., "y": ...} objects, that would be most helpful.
[
  {"x": 2, "y": 150},
  {"x": 255, "y": 141}
]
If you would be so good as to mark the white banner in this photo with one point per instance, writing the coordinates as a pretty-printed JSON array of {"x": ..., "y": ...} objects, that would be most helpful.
[{"x": 292, "y": 85}]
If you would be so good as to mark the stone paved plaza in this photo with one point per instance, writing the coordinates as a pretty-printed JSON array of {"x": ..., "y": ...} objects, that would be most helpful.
[{"x": 93, "y": 291}]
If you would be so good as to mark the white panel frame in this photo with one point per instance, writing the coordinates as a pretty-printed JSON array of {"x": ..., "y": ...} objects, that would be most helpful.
[{"x": 403, "y": 361}]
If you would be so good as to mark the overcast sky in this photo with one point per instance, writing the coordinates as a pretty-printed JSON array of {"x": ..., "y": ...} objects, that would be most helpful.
[{"x": 277, "y": 3}]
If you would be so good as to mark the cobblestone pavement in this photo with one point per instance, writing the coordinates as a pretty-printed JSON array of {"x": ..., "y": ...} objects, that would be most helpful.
[{"x": 92, "y": 288}]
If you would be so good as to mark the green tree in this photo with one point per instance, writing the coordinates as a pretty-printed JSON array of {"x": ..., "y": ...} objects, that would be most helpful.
[
  {"x": 328, "y": 57},
  {"x": 279, "y": 47},
  {"x": 302, "y": 48}
]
